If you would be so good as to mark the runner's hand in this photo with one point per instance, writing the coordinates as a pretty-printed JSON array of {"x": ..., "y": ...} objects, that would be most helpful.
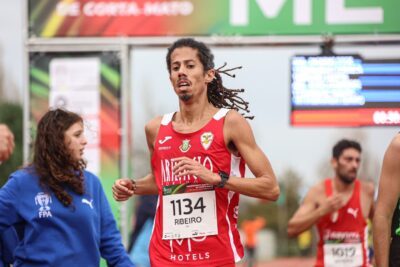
[
  {"x": 331, "y": 204},
  {"x": 186, "y": 166},
  {"x": 6, "y": 142},
  {"x": 122, "y": 189}
]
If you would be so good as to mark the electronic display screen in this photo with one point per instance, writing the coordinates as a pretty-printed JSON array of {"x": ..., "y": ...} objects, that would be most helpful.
[{"x": 344, "y": 90}]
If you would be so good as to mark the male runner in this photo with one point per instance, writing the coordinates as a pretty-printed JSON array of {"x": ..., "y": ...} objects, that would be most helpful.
[
  {"x": 198, "y": 157},
  {"x": 339, "y": 207}
]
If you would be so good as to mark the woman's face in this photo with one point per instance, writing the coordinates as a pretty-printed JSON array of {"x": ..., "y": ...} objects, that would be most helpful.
[{"x": 75, "y": 140}]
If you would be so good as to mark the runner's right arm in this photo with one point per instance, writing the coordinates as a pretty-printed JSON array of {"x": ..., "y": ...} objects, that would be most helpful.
[
  {"x": 124, "y": 188},
  {"x": 310, "y": 211}
]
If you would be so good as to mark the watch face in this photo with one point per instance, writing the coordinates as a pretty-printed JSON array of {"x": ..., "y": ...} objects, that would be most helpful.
[
  {"x": 224, "y": 175},
  {"x": 224, "y": 178}
]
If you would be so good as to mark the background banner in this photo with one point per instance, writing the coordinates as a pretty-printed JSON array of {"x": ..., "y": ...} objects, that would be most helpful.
[{"x": 107, "y": 18}]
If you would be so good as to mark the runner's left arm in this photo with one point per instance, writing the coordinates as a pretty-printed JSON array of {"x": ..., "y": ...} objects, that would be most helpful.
[
  {"x": 239, "y": 133},
  {"x": 388, "y": 195}
]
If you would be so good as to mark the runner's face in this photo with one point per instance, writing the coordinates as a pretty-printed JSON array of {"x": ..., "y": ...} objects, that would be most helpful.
[
  {"x": 347, "y": 165},
  {"x": 75, "y": 140},
  {"x": 187, "y": 74}
]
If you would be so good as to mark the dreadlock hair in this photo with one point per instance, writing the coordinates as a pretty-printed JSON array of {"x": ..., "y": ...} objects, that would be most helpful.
[
  {"x": 217, "y": 93},
  {"x": 52, "y": 160}
]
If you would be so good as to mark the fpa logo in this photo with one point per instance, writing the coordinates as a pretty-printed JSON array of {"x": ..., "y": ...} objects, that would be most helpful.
[{"x": 43, "y": 200}]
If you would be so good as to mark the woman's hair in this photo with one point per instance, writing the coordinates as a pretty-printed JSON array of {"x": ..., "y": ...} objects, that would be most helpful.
[
  {"x": 217, "y": 93},
  {"x": 53, "y": 161}
]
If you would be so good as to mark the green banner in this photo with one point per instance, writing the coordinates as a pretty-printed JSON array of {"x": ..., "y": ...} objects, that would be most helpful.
[{"x": 74, "y": 18}]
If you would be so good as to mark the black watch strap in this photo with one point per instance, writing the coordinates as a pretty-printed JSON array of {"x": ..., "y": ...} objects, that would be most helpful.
[{"x": 224, "y": 178}]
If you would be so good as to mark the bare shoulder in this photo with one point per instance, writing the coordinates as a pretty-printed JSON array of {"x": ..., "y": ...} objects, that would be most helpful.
[
  {"x": 316, "y": 192},
  {"x": 153, "y": 124},
  {"x": 152, "y": 128},
  {"x": 237, "y": 131},
  {"x": 319, "y": 188},
  {"x": 395, "y": 144},
  {"x": 233, "y": 118},
  {"x": 236, "y": 124},
  {"x": 368, "y": 188}
]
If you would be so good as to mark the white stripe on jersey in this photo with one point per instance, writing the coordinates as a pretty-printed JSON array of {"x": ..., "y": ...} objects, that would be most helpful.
[
  {"x": 233, "y": 247},
  {"x": 235, "y": 171},
  {"x": 167, "y": 118},
  {"x": 220, "y": 114}
]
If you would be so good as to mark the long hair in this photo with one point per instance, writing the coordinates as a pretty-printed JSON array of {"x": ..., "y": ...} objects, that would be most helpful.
[
  {"x": 52, "y": 160},
  {"x": 217, "y": 93}
]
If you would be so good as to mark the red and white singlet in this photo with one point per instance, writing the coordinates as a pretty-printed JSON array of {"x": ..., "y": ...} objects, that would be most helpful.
[
  {"x": 343, "y": 234},
  {"x": 195, "y": 223}
]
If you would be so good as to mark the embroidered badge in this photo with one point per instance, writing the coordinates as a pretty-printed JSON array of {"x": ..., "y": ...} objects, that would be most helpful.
[
  {"x": 43, "y": 200},
  {"x": 206, "y": 139},
  {"x": 185, "y": 146}
]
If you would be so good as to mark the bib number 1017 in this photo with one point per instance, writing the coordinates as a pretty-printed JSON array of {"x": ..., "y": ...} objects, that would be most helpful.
[{"x": 185, "y": 206}]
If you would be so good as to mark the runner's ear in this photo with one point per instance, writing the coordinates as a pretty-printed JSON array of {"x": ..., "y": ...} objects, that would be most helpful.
[{"x": 210, "y": 74}]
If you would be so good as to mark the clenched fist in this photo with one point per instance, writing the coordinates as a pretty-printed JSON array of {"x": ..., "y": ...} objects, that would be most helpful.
[{"x": 6, "y": 142}]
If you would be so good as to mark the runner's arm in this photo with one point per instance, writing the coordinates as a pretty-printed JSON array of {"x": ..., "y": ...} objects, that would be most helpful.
[
  {"x": 124, "y": 188},
  {"x": 388, "y": 195},
  {"x": 147, "y": 185},
  {"x": 310, "y": 211},
  {"x": 239, "y": 133},
  {"x": 305, "y": 217}
]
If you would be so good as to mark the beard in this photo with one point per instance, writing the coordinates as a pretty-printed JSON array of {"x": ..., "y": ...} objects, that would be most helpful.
[
  {"x": 346, "y": 178},
  {"x": 185, "y": 97}
]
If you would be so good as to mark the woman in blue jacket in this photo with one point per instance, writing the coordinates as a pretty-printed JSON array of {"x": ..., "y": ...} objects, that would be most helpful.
[{"x": 66, "y": 216}]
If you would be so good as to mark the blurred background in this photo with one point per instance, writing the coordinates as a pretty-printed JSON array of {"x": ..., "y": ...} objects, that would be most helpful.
[{"x": 106, "y": 60}]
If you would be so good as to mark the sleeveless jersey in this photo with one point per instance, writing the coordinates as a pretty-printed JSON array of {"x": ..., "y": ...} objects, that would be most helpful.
[
  {"x": 343, "y": 235},
  {"x": 396, "y": 221},
  {"x": 187, "y": 202},
  {"x": 394, "y": 255}
]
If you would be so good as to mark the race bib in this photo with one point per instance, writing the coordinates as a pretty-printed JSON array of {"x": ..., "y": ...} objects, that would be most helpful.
[
  {"x": 189, "y": 214},
  {"x": 343, "y": 255}
]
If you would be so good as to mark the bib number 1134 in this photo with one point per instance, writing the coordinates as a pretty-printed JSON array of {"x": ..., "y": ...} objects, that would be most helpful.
[
  {"x": 189, "y": 215},
  {"x": 185, "y": 206}
]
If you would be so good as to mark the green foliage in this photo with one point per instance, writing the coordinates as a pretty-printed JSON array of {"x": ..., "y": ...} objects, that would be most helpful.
[{"x": 12, "y": 116}]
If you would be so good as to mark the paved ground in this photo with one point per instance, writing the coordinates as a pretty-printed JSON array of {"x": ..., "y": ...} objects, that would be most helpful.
[{"x": 285, "y": 262}]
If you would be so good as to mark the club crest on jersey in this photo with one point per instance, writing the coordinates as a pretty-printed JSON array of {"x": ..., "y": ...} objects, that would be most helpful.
[
  {"x": 185, "y": 146},
  {"x": 206, "y": 139}
]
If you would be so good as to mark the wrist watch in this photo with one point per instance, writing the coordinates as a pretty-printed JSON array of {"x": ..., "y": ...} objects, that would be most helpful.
[{"x": 224, "y": 178}]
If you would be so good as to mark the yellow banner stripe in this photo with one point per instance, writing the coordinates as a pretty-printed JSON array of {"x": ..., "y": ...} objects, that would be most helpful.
[{"x": 54, "y": 21}]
